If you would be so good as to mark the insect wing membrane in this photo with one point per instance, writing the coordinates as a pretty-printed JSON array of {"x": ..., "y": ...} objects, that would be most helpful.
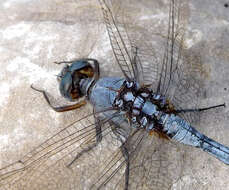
[
  {"x": 172, "y": 74},
  {"x": 153, "y": 164},
  {"x": 152, "y": 160},
  {"x": 167, "y": 67},
  {"x": 48, "y": 165},
  {"x": 123, "y": 49}
]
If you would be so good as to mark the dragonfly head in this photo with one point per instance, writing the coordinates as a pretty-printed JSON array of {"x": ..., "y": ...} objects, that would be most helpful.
[{"x": 70, "y": 77}]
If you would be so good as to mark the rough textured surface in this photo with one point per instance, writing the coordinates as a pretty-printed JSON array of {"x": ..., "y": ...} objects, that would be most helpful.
[{"x": 34, "y": 34}]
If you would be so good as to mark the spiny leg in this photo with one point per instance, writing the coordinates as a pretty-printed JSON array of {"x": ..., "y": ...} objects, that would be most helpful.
[
  {"x": 199, "y": 109},
  {"x": 61, "y": 108},
  {"x": 98, "y": 130}
]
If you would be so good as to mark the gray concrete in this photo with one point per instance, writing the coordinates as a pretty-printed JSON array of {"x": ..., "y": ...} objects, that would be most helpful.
[{"x": 34, "y": 34}]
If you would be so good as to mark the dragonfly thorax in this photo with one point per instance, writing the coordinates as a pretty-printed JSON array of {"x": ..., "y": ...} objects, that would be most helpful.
[{"x": 142, "y": 106}]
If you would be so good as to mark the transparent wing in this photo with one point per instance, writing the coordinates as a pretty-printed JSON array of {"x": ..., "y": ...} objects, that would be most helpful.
[
  {"x": 181, "y": 77},
  {"x": 157, "y": 57},
  {"x": 154, "y": 163},
  {"x": 45, "y": 167},
  {"x": 173, "y": 45},
  {"x": 166, "y": 65},
  {"x": 186, "y": 88},
  {"x": 141, "y": 46},
  {"x": 123, "y": 50}
]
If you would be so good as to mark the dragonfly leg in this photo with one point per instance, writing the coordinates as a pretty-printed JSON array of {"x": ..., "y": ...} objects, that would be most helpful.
[
  {"x": 98, "y": 126},
  {"x": 60, "y": 108},
  {"x": 199, "y": 109},
  {"x": 125, "y": 154}
]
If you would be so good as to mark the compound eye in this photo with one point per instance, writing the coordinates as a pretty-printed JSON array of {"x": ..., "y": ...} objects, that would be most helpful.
[
  {"x": 70, "y": 78},
  {"x": 66, "y": 87}
]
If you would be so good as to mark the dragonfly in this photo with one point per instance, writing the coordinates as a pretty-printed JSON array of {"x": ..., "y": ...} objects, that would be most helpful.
[{"x": 145, "y": 113}]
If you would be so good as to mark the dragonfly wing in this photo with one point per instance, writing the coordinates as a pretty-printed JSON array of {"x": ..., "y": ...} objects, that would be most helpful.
[
  {"x": 173, "y": 44},
  {"x": 154, "y": 163},
  {"x": 121, "y": 45},
  {"x": 186, "y": 90},
  {"x": 45, "y": 166},
  {"x": 143, "y": 43},
  {"x": 177, "y": 72},
  {"x": 181, "y": 72}
]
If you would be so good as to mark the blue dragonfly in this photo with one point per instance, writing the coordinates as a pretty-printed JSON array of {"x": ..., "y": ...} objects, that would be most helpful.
[{"x": 146, "y": 113}]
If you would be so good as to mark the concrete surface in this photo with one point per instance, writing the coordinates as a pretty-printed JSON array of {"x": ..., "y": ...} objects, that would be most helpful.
[{"x": 34, "y": 34}]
